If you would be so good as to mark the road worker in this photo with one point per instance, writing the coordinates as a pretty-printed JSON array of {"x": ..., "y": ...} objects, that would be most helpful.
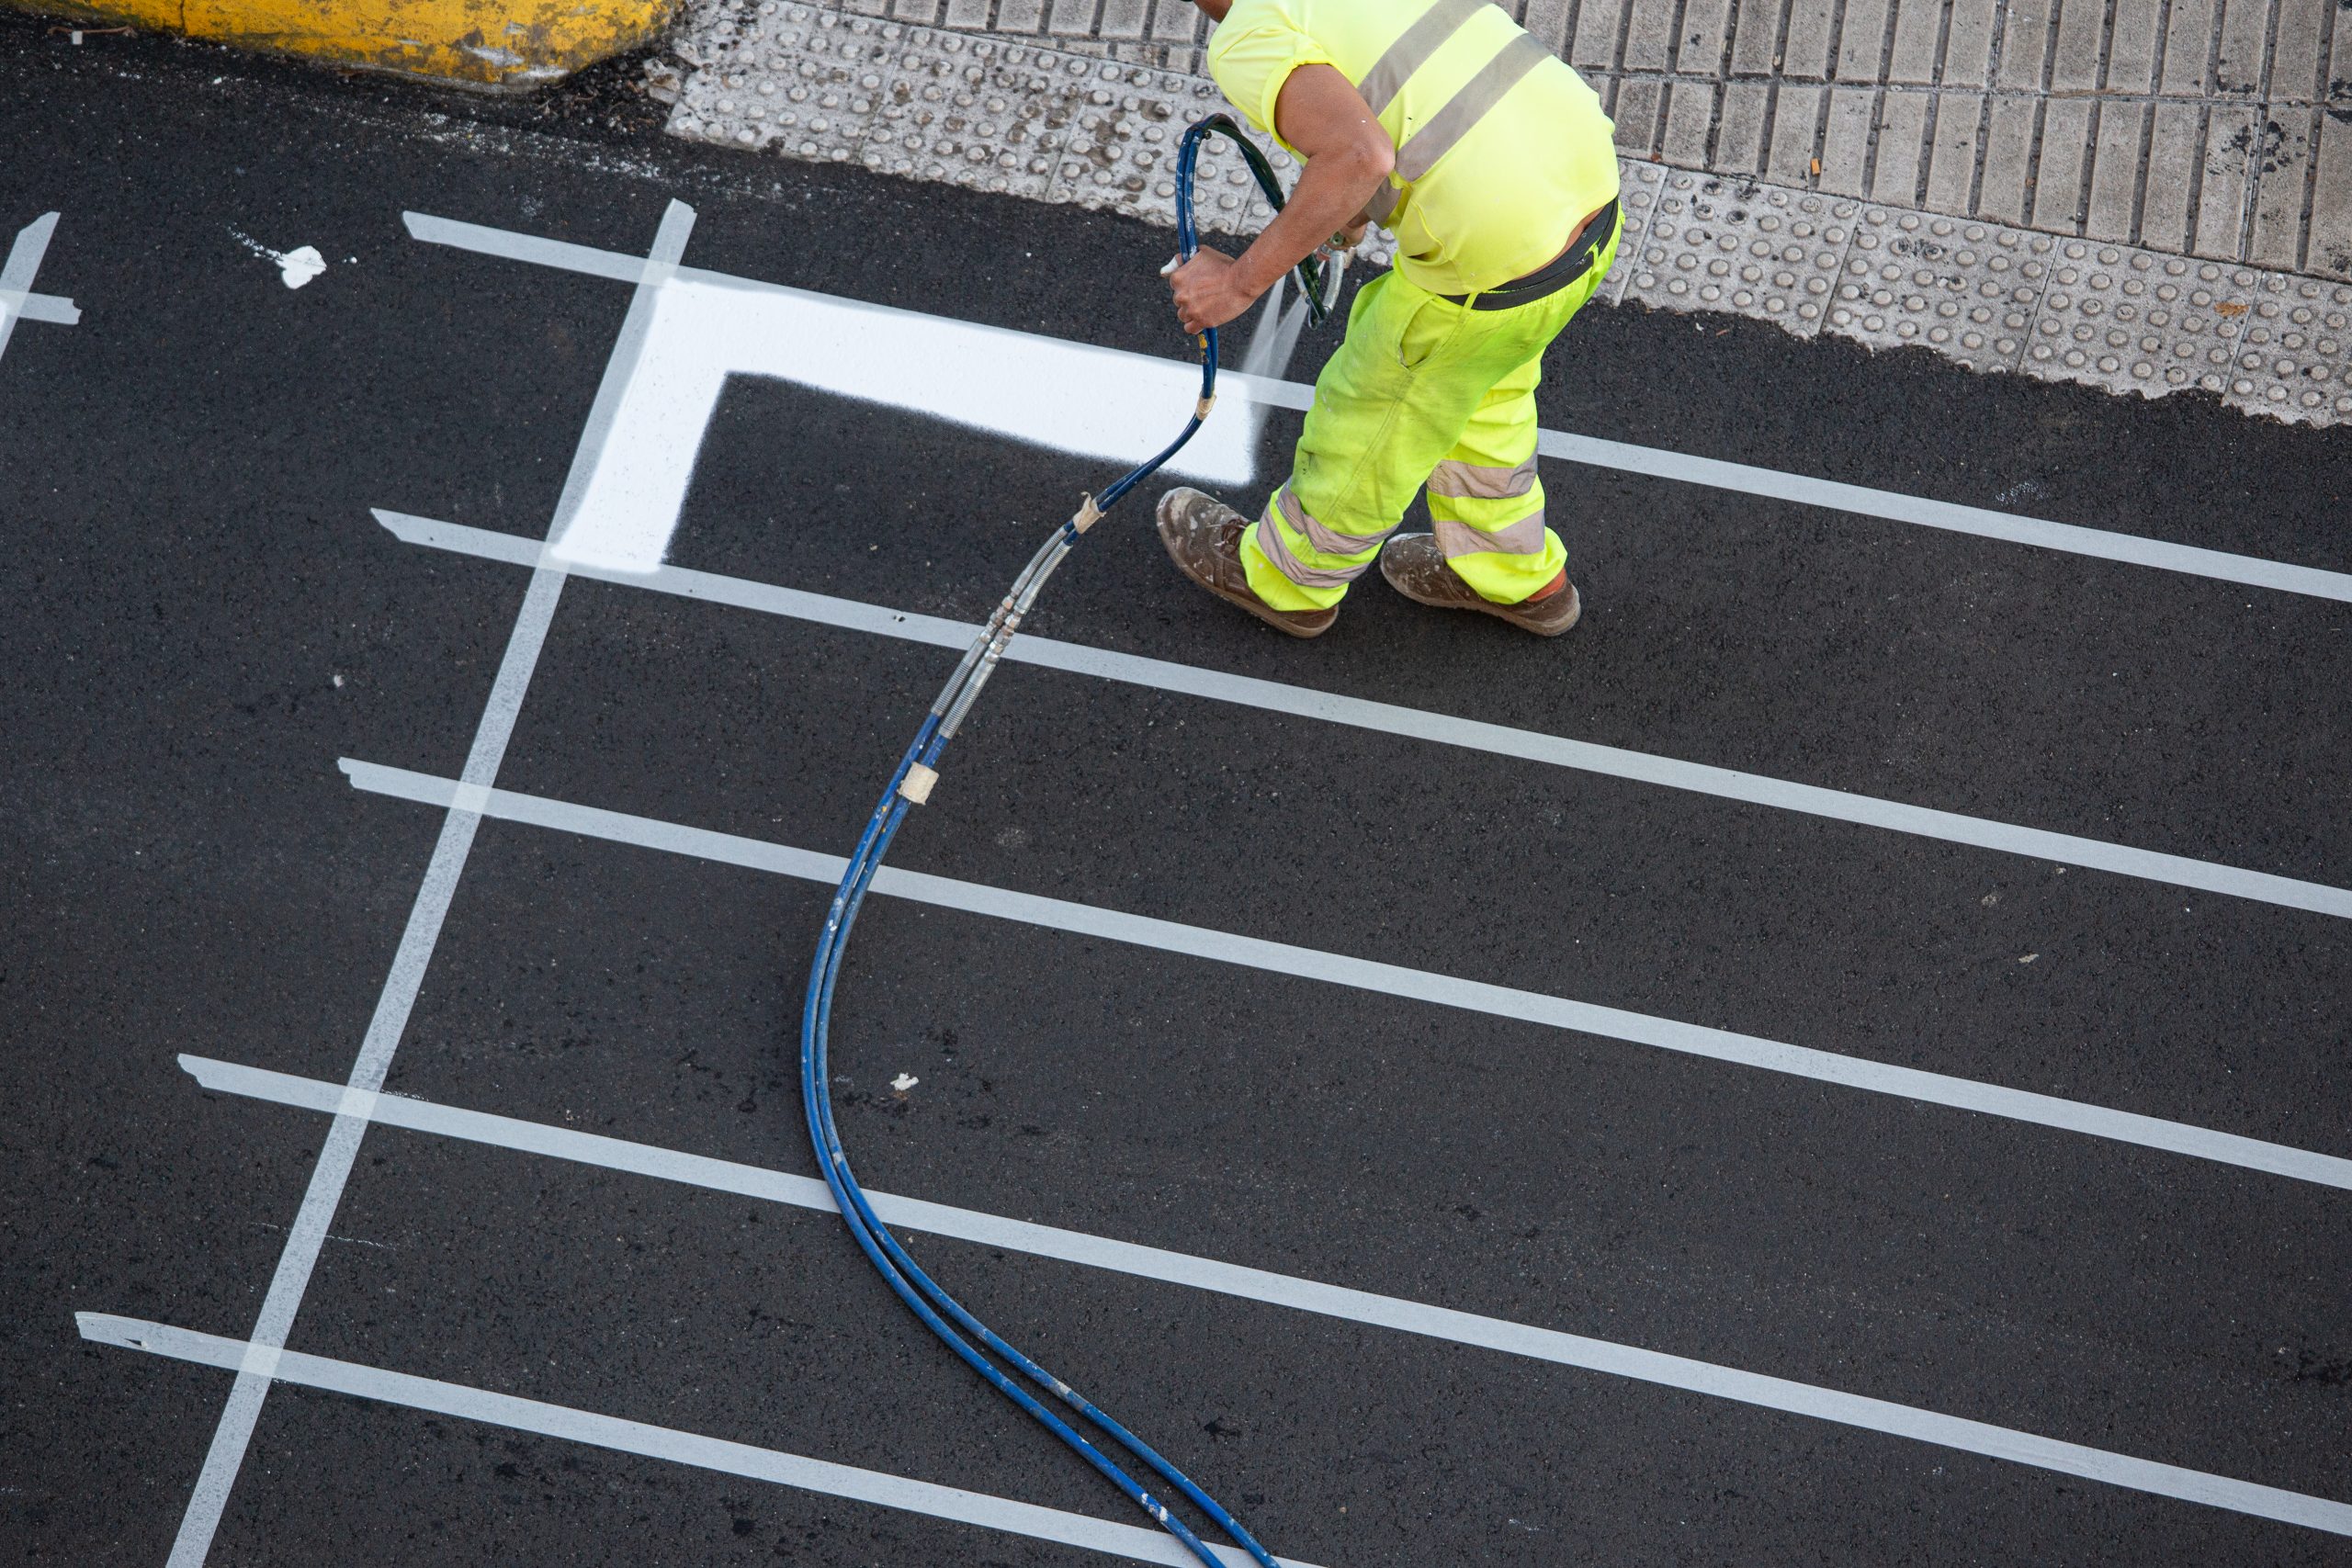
[{"x": 1492, "y": 163}]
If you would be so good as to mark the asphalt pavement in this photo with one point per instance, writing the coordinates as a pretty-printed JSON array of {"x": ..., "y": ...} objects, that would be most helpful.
[{"x": 204, "y": 620}]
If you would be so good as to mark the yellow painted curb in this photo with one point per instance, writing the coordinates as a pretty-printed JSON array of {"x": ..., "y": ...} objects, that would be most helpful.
[{"x": 503, "y": 45}]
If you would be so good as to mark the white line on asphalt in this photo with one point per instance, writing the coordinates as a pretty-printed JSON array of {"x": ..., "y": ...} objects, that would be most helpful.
[
  {"x": 16, "y": 274},
  {"x": 1445, "y": 991},
  {"x": 823, "y": 1476},
  {"x": 1068, "y": 396},
  {"x": 262, "y": 1355},
  {"x": 1754, "y": 789},
  {"x": 1654, "y": 462},
  {"x": 1305, "y": 1295}
]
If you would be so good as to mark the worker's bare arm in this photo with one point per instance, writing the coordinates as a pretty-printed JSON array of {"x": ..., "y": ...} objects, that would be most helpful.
[{"x": 1347, "y": 155}]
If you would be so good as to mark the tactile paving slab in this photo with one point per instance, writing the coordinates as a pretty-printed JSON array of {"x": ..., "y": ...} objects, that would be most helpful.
[
  {"x": 797, "y": 79},
  {"x": 2294, "y": 359},
  {"x": 1717, "y": 242},
  {"x": 971, "y": 112},
  {"x": 1639, "y": 184},
  {"x": 2136, "y": 320},
  {"x": 1969, "y": 290}
]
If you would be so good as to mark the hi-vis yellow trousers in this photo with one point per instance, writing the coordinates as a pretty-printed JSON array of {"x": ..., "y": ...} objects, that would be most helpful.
[{"x": 1422, "y": 390}]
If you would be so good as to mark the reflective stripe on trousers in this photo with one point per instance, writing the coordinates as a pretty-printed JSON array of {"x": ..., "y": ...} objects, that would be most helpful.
[{"x": 1420, "y": 389}]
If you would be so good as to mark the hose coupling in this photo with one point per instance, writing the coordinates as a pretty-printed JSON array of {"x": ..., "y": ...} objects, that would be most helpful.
[{"x": 1088, "y": 515}]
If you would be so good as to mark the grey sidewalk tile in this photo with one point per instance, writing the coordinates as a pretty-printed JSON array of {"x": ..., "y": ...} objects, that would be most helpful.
[
  {"x": 2294, "y": 358},
  {"x": 2221, "y": 183},
  {"x": 1968, "y": 291},
  {"x": 1739, "y": 139},
  {"x": 1919, "y": 38},
  {"x": 2282, "y": 160},
  {"x": 1968, "y": 44},
  {"x": 1600, "y": 24},
  {"x": 1796, "y": 123},
  {"x": 1071, "y": 18},
  {"x": 923, "y": 13},
  {"x": 1690, "y": 119},
  {"x": 1717, "y": 244},
  {"x": 1704, "y": 36},
  {"x": 2132, "y": 47},
  {"x": 1649, "y": 37},
  {"x": 1638, "y": 185},
  {"x": 1755, "y": 39},
  {"x": 1805, "y": 53},
  {"x": 2025, "y": 45},
  {"x": 1951, "y": 160},
  {"x": 2131, "y": 321},
  {"x": 967, "y": 13},
  {"x": 2009, "y": 161},
  {"x": 2058, "y": 177},
  {"x": 1902, "y": 143},
  {"x": 2081, "y": 32},
  {"x": 1548, "y": 20},
  {"x": 2246, "y": 38},
  {"x": 2188, "y": 47},
  {"x": 1175, "y": 21},
  {"x": 1846, "y": 141},
  {"x": 1021, "y": 16},
  {"x": 1123, "y": 18},
  {"x": 2174, "y": 149},
  {"x": 2297, "y": 52},
  {"x": 1861, "y": 40},
  {"x": 2330, "y": 253},
  {"x": 2115, "y": 171},
  {"x": 1640, "y": 100}
]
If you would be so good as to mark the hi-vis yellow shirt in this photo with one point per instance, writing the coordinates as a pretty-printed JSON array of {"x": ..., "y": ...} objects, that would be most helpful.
[{"x": 1502, "y": 149}]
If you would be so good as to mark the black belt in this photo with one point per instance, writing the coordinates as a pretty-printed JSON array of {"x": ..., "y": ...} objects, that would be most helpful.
[{"x": 1554, "y": 275}]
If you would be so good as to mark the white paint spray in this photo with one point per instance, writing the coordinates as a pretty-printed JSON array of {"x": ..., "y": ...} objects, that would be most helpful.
[
  {"x": 295, "y": 267},
  {"x": 1064, "y": 396}
]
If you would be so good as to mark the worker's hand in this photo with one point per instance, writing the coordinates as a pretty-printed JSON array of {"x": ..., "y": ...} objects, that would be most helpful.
[
  {"x": 1209, "y": 291},
  {"x": 1349, "y": 238}
]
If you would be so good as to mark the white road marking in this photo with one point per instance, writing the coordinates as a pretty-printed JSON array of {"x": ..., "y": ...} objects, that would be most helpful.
[
  {"x": 1889, "y": 506},
  {"x": 17, "y": 301},
  {"x": 458, "y": 1400},
  {"x": 1304, "y": 702},
  {"x": 1395, "y": 1313},
  {"x": 706, "y": 327},
  {"x": 1387, "y": 979},
  {"x": 262, "y": 1356}
]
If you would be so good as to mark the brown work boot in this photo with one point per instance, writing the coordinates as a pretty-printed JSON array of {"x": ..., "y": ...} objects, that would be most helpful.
[
  {"x": 1416, "y": 568},
  {"x": 1203, "y": 538}
]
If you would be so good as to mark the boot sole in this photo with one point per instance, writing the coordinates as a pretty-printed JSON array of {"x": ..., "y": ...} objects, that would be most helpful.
[{"x": 1505, "y": 613}]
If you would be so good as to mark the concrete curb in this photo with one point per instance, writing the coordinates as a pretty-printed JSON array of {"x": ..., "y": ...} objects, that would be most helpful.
[{"x": 506, "y": 46}]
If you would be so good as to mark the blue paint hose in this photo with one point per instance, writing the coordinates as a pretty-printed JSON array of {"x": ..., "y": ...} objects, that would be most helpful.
[{"x": 1102, "y": 1442}]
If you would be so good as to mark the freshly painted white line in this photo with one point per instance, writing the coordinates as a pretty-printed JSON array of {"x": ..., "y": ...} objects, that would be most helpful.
[
  {"x": 1305, "y": 1295},
  {"x": 1699, "y": 778},
  {"x": 264, "y": 1351},
  {"x": 1654, "y": 462},
  {"x": 1388, "y": 979},
  {"x": 823, "y": 1476},
  {"x": 55, "y": 309},
  {"x": 706, "y": 327},
  {"x": 16, "y": 275}
]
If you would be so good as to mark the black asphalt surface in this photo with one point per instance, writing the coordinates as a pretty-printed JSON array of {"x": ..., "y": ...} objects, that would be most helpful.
[{"x": 200, "y": 617}]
